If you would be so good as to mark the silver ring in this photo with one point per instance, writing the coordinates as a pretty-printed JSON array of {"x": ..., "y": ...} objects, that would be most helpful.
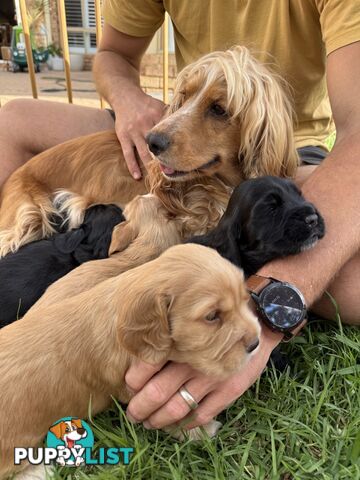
[{"x": 189, "y": 399}]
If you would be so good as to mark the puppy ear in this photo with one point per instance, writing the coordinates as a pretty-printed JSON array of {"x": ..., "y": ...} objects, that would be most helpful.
[
  {"x": 143, "y": 328},
  {"x": 122, "y": 235},
  {"x": 57, "y": 429},
  {"x": 77, "y": 422},
  {"x": 69, "y": 241},
  {"x": 101, "y": 248},
  {"x": 267, "y": 138}
]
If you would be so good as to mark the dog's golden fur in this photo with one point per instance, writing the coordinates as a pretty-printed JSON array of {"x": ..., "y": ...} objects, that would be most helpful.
[
  {"x": 92, "y": 167},
  {"x": 147, "y": 232},
  {"x": 88, "y": 342},
  {"x": 253, "y": 137}
]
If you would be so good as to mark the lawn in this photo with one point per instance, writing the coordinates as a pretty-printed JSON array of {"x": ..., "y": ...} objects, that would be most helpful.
[{"x": 298, "y": 424}]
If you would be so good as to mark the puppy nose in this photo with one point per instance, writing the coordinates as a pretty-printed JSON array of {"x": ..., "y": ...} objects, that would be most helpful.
[
  {"x": 81, "y": 431},
  {"x": 158, "y": 142},
  {"x": 253, "y": 345},
  {"x": 312, "y": 220}
]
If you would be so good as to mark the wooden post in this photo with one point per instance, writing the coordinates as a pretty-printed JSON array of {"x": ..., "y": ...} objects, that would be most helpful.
[
  {"x": 98, "y": 35},
  {"x": 28, "y": 48},
  {"x": 65, "y": 47},
  {"x": 166, "y": 59}
]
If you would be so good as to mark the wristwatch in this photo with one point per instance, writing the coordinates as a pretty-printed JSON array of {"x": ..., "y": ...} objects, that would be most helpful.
[{"x": 280, "y": 305}]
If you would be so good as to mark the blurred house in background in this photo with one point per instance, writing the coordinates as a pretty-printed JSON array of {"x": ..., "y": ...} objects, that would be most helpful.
[{"x": 80, "y": 19}]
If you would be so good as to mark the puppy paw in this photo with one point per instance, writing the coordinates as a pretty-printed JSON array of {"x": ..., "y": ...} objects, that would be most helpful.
[
  {"x": 195, "y": 434},
  {"x": 210, "y": 429}
]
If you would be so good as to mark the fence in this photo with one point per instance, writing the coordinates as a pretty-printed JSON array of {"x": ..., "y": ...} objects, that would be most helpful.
[{"x": 65, "y": 48}]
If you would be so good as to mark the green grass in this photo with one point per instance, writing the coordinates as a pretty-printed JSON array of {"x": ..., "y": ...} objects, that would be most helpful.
[{"x": 300, "y": 424}]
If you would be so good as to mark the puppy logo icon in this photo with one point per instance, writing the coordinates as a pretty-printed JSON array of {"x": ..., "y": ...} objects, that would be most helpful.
[{"x": 70, "y": 436}]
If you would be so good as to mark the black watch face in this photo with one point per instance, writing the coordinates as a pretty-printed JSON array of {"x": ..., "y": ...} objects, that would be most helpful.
[{"x": 283, "y": 305}]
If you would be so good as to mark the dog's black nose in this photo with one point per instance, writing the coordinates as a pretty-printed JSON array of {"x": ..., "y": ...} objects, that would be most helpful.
[
  {"x": 312, "y": 220},
  {"x": 253, "y": 345},
  {"x": 158, "y": 142}
]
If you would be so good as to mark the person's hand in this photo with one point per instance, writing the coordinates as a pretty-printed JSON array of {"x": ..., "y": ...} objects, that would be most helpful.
[
  {"x": 136, "y": 113},
  {"x": 158, "y": 404}
]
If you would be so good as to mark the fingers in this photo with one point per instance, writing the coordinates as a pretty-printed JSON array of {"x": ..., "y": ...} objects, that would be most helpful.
[
  {"x": 177, "y": 408},
  {"x": 211, "y": 406},
  {"x": 131, "y": 143},
  {"x": 139, "y": 374},
  {"x": 137, "y": 115},
  {"x": 129, "y": 155},
  {"x": 227, "y": 392},
  {"x": 158, "y": 391},
  {"x": 142, "y": 148}
]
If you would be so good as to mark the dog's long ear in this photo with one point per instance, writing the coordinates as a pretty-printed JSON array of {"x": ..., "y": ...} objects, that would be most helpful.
[
  {"x": 77, "y": 422},
  {"x": 143, "y": 327},
  {"x": 223, "y": 239},
  {"x": 122, "y": 235},
  {"x": 57, "y": 429},
  {"x": 69, "y": 241},
  {"x": 267, "y": 140}
]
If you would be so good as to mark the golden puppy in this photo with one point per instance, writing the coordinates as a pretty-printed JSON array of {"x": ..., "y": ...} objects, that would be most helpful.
[
  {"x": 229, "y": 120},
  {"x": 147, "y": 232},
  {"x": 151, "y": 312}
]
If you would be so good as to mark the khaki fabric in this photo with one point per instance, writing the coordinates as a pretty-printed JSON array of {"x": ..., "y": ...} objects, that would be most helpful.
[{"x": 292, "y": 36}]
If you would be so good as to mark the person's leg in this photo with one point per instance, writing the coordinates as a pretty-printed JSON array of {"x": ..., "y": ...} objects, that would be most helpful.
[
  {"x": 28, "y": 127},
  {"x": 345, "y": 287},
  {"x": 345, "y": 291}
]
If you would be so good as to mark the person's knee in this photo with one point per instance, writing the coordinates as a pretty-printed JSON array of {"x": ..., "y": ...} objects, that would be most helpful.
[
  {"x": 17, "y": 108},
  {"x": 342, "y": 295},
  {"x": 16, "y": 132},
  {"x": 326, "y": 309},
  {"x": 12, "y": 117}
]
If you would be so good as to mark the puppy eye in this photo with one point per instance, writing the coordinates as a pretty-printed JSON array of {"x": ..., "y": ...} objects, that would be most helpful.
[
  {"x": 217, "y": 110},
  {"x": 274, "y": 201},
  {"x": 213, "y": 316}
]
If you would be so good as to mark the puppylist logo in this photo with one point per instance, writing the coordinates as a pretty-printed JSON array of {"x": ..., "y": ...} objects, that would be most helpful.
[{"x": 69, "y": 442}]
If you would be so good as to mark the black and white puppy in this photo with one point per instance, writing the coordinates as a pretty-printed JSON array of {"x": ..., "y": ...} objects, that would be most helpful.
[
  {"x": 266, "y": 218},
  {"x": 26, "y": 274}
]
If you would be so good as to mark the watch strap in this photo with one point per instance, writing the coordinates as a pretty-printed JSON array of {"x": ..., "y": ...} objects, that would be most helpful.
[
  {"x": 256, "y": 284},
  {"x": 295, "y": 331}
]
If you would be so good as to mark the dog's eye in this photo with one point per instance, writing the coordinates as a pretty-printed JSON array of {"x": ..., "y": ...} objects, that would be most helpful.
[
  {"x": 213, "y": 316},
  {"x": 217, "y": 110},
  {"x": 274, "y": 201}
]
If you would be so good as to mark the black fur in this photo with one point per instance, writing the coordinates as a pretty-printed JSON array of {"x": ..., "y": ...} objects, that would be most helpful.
[
  {"x": 26, "y": 274},
  {"x": 266, "y": 218}
]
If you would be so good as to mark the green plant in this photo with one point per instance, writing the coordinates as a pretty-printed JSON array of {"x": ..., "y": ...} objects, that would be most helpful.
[{"x": 55, "y": 50}]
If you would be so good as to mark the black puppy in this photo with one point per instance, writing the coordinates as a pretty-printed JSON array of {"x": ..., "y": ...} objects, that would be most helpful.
[
  {"x": 266, "y": 218},
  {"x": 26, "y": 274}
]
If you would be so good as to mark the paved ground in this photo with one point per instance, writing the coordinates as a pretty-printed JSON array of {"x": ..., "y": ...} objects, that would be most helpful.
[{"x": 51, "y": 85}]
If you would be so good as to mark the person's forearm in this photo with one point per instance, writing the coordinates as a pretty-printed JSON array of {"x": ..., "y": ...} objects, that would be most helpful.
[
  {"x": 115, "y": 75},
  {"x": 334, "y": 189}
]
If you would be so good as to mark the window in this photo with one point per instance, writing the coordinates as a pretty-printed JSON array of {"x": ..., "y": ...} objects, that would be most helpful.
[
  {"x": 81, "y": 26},
  {"x": 80, "y": 20}
]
